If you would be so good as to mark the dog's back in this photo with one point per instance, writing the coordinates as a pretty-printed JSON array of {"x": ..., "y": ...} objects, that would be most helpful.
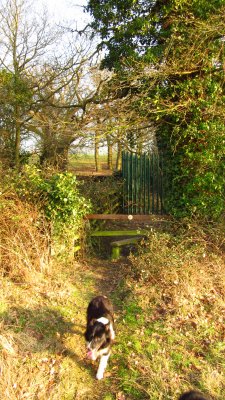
[
  {"x": 99, "y": 307},
  {"x": 99, "y": 332},
  {"x": 192, "y": 395}
]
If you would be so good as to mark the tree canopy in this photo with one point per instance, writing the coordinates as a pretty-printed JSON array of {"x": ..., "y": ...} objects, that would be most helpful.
[
  {"x": 160, "y": 87},
  {"x": 139, "y": 29},
  {"x": 45, "y": 92},
  {"x": 169, "y": 55}
]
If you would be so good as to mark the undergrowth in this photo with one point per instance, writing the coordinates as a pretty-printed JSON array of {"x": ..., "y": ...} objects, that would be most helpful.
[
  {"x": 170, "y": 314},
  {"x": 24, "y": 239},
  {"x": 172, "y": 327}
]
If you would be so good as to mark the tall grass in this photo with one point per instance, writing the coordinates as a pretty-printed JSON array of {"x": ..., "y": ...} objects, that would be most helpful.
[
  {"x": 43, "y": 298},
  {"x": 24, "y": 260},
  {"x": 37, "y": 302},
  {"x": 172, "y": 328},
  {"x": 24, "y": 240}
]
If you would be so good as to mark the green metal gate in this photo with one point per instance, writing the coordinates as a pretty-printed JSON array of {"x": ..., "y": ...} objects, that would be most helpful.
[{"x": 143, "y": 183}]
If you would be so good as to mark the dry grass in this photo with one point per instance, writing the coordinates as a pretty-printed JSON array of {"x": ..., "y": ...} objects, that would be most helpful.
[
  {"x": 24, "y": 266},
  {"x": 24, "y": 240},
  {"x": 175, "y": 318},
  {"x": 170, "y": 323},
  {"x": 42, "y": 313}
]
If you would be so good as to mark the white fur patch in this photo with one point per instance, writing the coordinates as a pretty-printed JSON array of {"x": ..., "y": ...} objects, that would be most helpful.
[
  {"x": 103, "y": 320},
  {"x": 112, "y": 332},
  {"x": 102, "y": 366}
]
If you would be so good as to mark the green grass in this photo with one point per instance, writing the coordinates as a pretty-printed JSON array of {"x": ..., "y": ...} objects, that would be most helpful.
[
  {"x": 87, "y": 161},
  {"x": 170, "y": 334},
  {"x": 157, "y": 363},
  {"x": 156, "y": 356}
]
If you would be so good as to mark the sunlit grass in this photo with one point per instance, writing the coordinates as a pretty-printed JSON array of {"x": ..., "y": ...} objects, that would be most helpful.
[
  {"x": 87, "y": 161},
  {"x": 170, "y": 319},
  {"x": 171, "y": 332}
]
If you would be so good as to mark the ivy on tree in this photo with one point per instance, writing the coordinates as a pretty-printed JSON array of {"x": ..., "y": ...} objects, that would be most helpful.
[{"x": 171, "y": 55}]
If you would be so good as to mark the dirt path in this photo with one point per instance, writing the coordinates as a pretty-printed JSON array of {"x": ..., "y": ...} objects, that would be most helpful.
[
  {"x": 92, "y": 278},
  {"x": 43, "y": 354}
]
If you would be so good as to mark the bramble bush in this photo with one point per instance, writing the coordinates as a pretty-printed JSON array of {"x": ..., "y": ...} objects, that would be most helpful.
[
  {"x": 173, "y": 314},
  {"x": 105, "y": 194}
]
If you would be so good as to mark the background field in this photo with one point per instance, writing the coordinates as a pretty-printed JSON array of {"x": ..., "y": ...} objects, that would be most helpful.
[{"x": 86, "y": 162}]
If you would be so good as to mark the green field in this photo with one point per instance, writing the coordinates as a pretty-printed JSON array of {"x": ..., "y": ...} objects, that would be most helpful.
[{"x": 80, "y": 162}]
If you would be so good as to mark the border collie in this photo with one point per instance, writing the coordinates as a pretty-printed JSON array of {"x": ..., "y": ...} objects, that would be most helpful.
[
  {"x": 99, "y": 332},
  {"x": 192, "y": 395}
]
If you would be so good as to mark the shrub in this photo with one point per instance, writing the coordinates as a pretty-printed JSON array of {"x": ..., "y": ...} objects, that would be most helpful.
[
  {"x": 57, "y": 196},
  {"x": 59, "y": 203},
  {"x": 105, "y": 193}
]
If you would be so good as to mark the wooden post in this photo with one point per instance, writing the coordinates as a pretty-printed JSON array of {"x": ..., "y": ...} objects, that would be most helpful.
[{"x": 115, "y": 253}]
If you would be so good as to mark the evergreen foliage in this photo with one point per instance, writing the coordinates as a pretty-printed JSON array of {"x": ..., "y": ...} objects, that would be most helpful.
[
  {"x": 171, "y": 55},
  {"x": 57, "y": 196}
]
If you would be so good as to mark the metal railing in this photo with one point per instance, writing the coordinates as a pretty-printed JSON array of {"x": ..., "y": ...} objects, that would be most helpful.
[{"x": 143, "y": 183}]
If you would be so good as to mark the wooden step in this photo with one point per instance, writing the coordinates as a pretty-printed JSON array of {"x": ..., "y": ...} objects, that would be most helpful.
[{"x": 118, "y": 244}]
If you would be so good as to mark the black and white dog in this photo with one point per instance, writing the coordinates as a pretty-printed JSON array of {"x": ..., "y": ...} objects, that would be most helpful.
[
  {"x": 99, "y": 332},
  {"x": 192, "y": 395}
]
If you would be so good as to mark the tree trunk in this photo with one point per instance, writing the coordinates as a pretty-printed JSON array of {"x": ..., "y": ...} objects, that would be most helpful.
[
  {"x": 62, "y": 157},
  {"x": 110, "y": 154},
  {"x": 54, "y": 153},
  {"x": 55, "y": 157},
  {"x": 17, "y": 138},
  {"x": 119, "y": 157},
  {"x": 97, "y": 159}
]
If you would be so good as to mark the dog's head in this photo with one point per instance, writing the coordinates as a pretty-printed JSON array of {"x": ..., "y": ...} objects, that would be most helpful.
[{"x": 97, "y": 336}]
